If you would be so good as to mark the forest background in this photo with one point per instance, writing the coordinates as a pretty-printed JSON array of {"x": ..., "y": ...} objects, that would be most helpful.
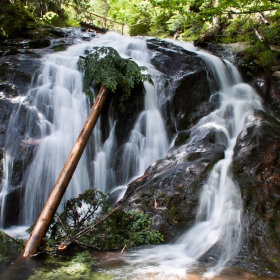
[{"x": 253, "y": 23}]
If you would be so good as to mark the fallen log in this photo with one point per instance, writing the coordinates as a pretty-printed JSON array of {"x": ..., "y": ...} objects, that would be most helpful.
[{"x": 50, "y": 208}]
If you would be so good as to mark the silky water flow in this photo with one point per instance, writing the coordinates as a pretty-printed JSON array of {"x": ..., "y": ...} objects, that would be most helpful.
[
  {"x": 219, "y": 215},
  {"x": 60, "y": 109}
]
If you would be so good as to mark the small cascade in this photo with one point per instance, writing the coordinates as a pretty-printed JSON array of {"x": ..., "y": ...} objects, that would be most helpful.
[
  {"x": 219, "y": 215},
  {"x": 7, "y": 167},
  {"x": 147, "y": 141},
  {"x": 62, "y": 109},
  {"x": 218, "y": 223}
]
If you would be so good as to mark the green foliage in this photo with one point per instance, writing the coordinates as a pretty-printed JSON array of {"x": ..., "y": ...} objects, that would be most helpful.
[
  {"x": 249, "y": 68},
  {"x": 83, "y": 223},
  {"x": 105, "y": 67},
  {"x": 14, "y": 19},
  {"x": 7, "y": 244},
  {"x": 50, "y": 18},
  {"x": 129, "y": 229}
]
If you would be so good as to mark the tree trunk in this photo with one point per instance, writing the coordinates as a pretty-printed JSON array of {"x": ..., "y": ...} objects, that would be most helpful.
[{"x": 64, "y": 178}]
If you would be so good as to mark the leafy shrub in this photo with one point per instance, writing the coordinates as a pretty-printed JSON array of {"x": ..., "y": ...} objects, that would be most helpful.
[
  {"x": 13, "y": 20},
  {"x": 105, "y": 67},
  {"x": 50, "y": 18},
  {"x": 88, "y": 222}
]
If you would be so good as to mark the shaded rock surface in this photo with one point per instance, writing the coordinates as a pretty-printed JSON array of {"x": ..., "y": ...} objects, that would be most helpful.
[
  {"x": 188, "y": 87},
  {"x": 16, "y": 75},
  {"x": 256, "y": 168},
  {"x": 169, "y": 189}
]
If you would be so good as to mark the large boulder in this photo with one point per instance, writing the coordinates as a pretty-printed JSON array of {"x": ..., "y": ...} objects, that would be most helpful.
[
  {"x": 188, "y": 87},
  {"x": 169, "y": 190},
  {"x": 256, "y": 168}
]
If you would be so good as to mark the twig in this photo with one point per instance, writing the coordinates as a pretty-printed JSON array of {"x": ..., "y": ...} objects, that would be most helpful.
[
  {"x": 12, "y": 238},
  {"x": 261, "y": 38},
  {"x": 123, "y": 248},
  {"x": 61, "y": 223},
  {"x": 71, "y": 239}
]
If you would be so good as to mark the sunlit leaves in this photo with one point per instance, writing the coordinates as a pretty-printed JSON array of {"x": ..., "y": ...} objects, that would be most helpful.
[{"x": 105, "y": 67}]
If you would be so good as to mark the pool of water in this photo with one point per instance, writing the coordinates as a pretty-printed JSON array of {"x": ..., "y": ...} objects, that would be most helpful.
[
  {"x": 101, "y": 266},
  {"x": 128, "y": 265}
]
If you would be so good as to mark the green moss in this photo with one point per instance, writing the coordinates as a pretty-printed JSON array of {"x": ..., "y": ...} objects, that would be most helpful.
[
  {"x": 74, "y": 267},
  {"x": 171, "y": 214},
  {"x": 60, "y": 48}
]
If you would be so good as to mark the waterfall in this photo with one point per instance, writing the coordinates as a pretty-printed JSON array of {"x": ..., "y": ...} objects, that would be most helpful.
[
  {"x": 219, "y": 214},
  {"x": 218, "y": 223},
  {"x": 59, "y": 107},
  {"x": 57, "y": 100}
]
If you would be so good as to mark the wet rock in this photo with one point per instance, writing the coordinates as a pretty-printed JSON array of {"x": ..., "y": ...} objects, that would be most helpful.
[
  {"x": 169, "y": 190},
  {"x": 61, "y": 44},
  {"x": 172, "y": 60},
  {"x": 19, "y": 43},
  {"x": 275, "y": 68},
  {"x": 10, "y": 52},
  {"x": 256, "y": 168},
  {"x": 85, "y": 36},
  {"x": 16, "y": 73},
  {"x": 276, "y": 75},
  {"x": 189, "y": 102},
  {"x": 187, "y": 91},
  {"x": 60, "y": 32},
  {"x": 13, "y": 208},
  {"x": 40, "y": 43}
]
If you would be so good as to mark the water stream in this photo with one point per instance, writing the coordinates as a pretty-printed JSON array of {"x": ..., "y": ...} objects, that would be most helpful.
[
  {"x": 219, "y": 216},
  {"x": 61, "y": 107}
]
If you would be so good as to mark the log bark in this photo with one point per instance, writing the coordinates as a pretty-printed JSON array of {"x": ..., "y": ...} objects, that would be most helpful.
[{"x": 50, "y": 208}]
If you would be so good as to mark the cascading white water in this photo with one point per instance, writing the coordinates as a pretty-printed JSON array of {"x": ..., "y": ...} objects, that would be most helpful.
[
  {"x": 219, "y": 215},
  {"x": 62, "y": 108}
]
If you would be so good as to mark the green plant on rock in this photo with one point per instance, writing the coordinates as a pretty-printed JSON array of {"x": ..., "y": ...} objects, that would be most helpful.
[
  {"x": 105, "y": 67},
  {"x": 260, "y": 54},
  {"x": 88, "y": 222}
]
